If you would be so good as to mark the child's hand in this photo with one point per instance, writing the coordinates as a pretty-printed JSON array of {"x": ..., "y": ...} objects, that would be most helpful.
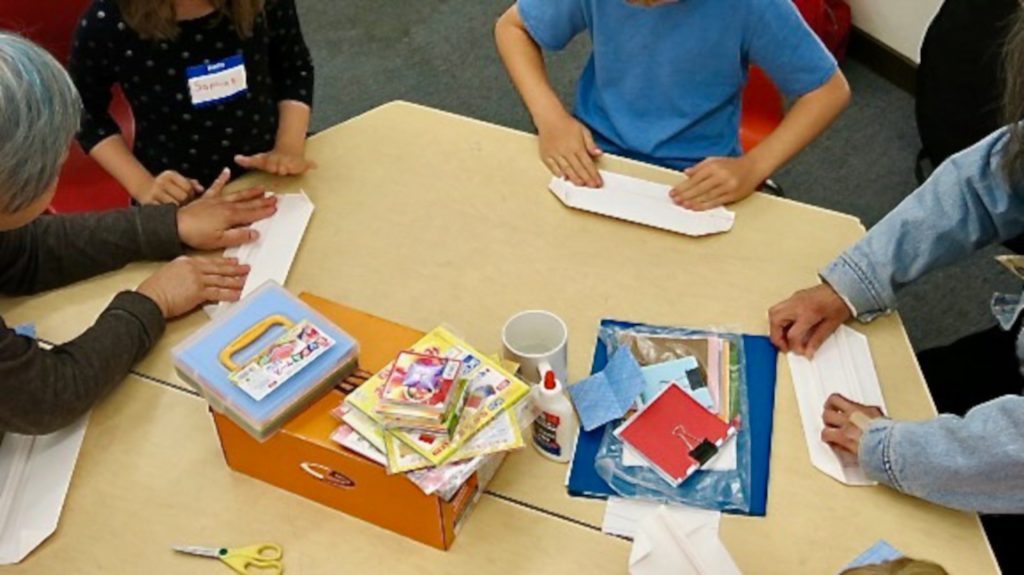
[
  {"x": 276, "y": 162},
  {"x": 716, "y": 182},
  {"x": 169, "y": 187},
  {"x": 567, "y": 148}
]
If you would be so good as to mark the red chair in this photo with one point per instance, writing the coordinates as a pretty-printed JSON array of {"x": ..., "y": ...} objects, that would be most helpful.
[
  {"x": 84, "y": 185},
  {"x": 762, "y": 110}
]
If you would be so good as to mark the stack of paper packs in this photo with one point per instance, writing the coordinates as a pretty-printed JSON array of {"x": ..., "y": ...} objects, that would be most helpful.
[
  {"x": 487, "y": 421},
  {"x": 705, "y": 367}
]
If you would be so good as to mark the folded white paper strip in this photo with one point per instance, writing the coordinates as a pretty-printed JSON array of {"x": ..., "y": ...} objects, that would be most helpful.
[
  {"x": 680, "y": 541},
  {"x": 35, "y": 473},
  {"x": 270, "y": 257},
  {"x": 841, "y": 365},
  {"x": 623, "y": 516},
  {"x": 641, "y": 202}
]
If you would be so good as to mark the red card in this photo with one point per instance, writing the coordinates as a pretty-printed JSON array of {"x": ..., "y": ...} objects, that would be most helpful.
[{"x": 675, "y": 433}]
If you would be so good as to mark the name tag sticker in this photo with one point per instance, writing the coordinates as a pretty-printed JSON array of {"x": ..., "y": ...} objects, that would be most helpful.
[{"x": 217, "y": 82}]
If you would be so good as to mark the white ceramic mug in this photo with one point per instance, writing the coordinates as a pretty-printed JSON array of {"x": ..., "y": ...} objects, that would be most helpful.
[{"x": 538, "y": 341}]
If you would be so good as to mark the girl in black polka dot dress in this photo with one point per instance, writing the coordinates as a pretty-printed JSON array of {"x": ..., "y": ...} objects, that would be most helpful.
[{"x": 211, "y": 83}]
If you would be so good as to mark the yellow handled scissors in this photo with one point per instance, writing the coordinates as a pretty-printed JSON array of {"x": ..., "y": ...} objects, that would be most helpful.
[{"x": 263, "y": 556}]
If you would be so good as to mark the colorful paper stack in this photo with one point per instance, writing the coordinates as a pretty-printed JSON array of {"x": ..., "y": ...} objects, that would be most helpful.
[
  {"x": 439, "y": 412},
  {"x": 422, "y": 393}
]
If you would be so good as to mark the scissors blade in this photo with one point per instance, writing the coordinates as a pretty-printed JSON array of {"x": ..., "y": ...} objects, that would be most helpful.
[{"x": 213, "y": 552}]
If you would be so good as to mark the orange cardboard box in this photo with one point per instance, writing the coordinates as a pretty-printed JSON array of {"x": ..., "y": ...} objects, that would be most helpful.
[{"x": 301, "y": 458}]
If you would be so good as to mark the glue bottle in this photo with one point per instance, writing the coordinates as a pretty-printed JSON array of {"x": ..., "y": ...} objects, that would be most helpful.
[{"x": 554, "y": 430}]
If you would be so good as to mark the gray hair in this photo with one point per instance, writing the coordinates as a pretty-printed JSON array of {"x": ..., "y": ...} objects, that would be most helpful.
[{"x": 39, "y": 114}]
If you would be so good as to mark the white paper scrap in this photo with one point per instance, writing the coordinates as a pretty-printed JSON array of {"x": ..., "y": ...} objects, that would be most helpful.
[{"x": 35, "y": 473}]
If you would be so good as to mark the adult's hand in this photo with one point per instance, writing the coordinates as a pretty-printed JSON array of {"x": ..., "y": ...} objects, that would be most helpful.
[
  {"x": 217, "y": 220},
  {"x": 841, "y": 430},
  {"x": 805, "y": 320},
  {"x": 188, "y": 282}
]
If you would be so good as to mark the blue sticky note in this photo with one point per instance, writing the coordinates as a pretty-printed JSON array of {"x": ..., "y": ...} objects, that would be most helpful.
[
  {"x": 610, "y": 393},
  {"x": 878, "y": 553},
  {"x": 26, "y": 329}
]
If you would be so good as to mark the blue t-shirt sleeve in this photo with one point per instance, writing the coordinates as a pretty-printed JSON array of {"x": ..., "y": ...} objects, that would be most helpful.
[
  {"x": 553, "y": 23},
  {"x": 784, "y": 46}
]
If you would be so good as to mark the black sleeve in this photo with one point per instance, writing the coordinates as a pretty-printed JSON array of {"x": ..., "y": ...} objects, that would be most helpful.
[
  {"x": 93, "y": 43},
  {"x": 291, "y": 66},
  {"x": 57, "y": 250},
  {"x": 42, "y": 391}
]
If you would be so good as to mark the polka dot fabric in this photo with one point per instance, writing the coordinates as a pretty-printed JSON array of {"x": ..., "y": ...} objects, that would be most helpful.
[{"x": 171, "y": 134}]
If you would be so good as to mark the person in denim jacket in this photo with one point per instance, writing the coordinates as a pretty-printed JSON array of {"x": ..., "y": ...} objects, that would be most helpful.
[{"x": 972, "y": 456}]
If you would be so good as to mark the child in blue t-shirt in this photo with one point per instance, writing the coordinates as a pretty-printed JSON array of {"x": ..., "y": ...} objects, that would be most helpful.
[{"x": 664, "y": 84}]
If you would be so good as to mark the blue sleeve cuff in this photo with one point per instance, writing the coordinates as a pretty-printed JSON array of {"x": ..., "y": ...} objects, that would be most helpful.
[
  {"x": 857, "y": 288},
  {"x": 875, "y": 452}
]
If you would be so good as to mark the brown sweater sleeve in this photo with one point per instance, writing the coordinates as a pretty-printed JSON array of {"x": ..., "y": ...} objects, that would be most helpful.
[{"x": 44, "y": 390}]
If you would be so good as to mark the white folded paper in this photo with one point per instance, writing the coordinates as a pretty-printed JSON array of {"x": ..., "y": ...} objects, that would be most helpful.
[
  {"x": 842, "y": 365},
  {"x": 270, "y": 257},
  {"x": 680, "y": 541},
  {"x": 623, "y": 516},
  {"x": 35, "y": 473},
  {"x": 641, "y": 202}
]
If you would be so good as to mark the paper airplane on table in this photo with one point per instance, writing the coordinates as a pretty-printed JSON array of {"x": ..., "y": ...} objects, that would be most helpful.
[
  {"x": 842, "y": 365},
  {"x": 641, "y": 202},
  {"x": 270, "y": 257},
  {"x": 35, "y": 473}
]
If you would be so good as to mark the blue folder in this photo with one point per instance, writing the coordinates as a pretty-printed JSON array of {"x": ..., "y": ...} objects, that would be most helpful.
[{"x": 760, "y": 358}]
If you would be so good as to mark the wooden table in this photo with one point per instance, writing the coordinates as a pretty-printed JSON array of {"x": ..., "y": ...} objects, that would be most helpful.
[
  {"x": 425, "y": 217},
  {"x": 151, "y": 475}
]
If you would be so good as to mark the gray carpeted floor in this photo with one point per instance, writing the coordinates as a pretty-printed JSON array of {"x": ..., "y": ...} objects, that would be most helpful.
[{"x": 441, "y": 53}]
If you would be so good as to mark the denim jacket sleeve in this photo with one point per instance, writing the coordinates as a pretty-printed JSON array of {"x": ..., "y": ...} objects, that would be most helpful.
[
  {"x": 974, "y": 463},
  {"x": 965, "y": 205}
]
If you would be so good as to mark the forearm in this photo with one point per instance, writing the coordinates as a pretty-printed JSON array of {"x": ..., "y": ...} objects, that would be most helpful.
[
  {"x": 117, "y": 159},
  {"x": 292, "y": 127},
  {"x": 966, "y": 204},
  {"x": 810, "y": 115},
  {"x": 525, "y": 64},
  {"x": 972, "y": 463},
  {"x": 57, "y": 250},
  {"x": 45, "y": 390}
]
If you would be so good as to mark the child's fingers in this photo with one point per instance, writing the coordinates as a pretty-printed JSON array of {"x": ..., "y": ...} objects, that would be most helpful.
[
  {"x": 254, "y": 162},
  {"x": 218, "y": 185},
  {"x": 176, "y": 192},
  {"x": 588, "y": 140},
  {"x": 592, "y": 176},
  {"x": 569, "y": 171},
  {"x": 177, "y": 180},
  {"x": 554, "y": 168}
]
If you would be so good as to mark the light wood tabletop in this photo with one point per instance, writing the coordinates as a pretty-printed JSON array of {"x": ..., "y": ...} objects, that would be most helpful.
[
  {"x": 151, "y": 475},
  {"x": 425, "y": 217}
]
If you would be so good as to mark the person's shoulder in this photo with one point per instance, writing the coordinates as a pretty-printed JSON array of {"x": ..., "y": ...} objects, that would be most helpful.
[{"x": 101, "y": 18}]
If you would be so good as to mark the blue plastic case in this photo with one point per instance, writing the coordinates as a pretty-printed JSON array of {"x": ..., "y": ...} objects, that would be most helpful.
[{"x": 198, "y": 361}]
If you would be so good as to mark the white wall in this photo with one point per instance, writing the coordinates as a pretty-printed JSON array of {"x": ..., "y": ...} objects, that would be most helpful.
[{"x": 899, "y": 24}]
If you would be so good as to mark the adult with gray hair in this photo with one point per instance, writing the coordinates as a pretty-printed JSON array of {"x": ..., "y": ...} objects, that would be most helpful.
[{"x": 44, "y": 390}]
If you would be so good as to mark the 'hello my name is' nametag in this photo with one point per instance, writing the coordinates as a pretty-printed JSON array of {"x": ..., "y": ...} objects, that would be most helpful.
[{"x": 217, "y": 82}]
